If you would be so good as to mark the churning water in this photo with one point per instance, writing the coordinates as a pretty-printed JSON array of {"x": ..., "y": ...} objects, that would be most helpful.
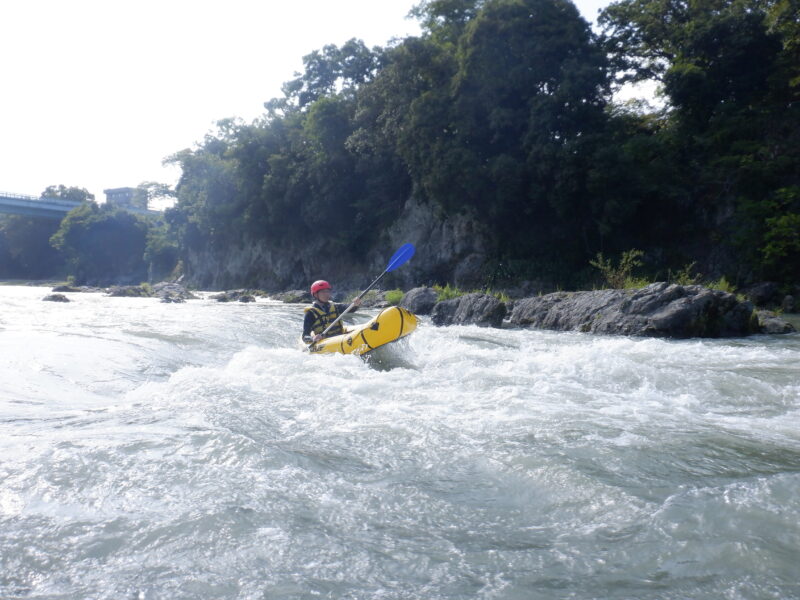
[{"x": 151, "y": 450}]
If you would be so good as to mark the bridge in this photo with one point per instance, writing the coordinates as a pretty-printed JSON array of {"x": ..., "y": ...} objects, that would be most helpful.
[{"x": 49, "y": 208}]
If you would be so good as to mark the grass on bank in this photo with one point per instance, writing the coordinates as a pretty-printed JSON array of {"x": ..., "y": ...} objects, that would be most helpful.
[{"x": 620, "y": 275}]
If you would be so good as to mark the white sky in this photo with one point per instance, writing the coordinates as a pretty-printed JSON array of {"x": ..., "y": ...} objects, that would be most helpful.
[{"x": 96, "y": 93}]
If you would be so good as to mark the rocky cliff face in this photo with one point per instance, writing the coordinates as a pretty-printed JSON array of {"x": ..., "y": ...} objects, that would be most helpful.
[{"x": 450, "y": 249}]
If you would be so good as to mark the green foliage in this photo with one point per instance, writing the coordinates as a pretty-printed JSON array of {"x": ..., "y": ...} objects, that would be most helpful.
[
  {"x": 447, "y": 292},
  {"x": 501, "y": 110},
  {"x": 684, "y": 275},
  {"x": 25, "y": 250},
  {"x": 394, "y": 297},
  {"x": 616, "y": 276},
  {"x": 635, "y": 283},
  {"x": 102, "y": 244},
  {"x": 721, "y": 284},
  {"x": 62, "y": 192}
]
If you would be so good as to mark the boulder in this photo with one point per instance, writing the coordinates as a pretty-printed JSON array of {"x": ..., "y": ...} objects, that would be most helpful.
[
  {"x": 789, "y": 304},
  {"x": 55, "y": 298},
  {"x": 66, "y": 288},
  {"x": 420, "y": 300},
  {"x": 293, "y": 297},
  {"x": 471, "y": 309},
  {"x": 658, "y": 310},
  {"x": 247, "y": 298},
  {"x": 131, "y": 291},
  {"x": 772, "y": 324},
  {"x": 172, "y": 292},
  {"x": 765, "y": 293},
  {"x": 229, "y": 296}
]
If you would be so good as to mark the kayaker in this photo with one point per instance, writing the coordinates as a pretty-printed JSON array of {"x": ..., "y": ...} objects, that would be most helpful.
[{"x": 322, "y": 313}]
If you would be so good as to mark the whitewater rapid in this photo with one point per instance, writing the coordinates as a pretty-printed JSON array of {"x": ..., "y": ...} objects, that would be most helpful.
[{"x": 153, "y": 450}]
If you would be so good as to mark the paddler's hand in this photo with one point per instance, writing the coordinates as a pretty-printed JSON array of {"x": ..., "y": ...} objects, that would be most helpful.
[
  {"x": 316, "y": 338},
  {"x": 357, "y": 302}
]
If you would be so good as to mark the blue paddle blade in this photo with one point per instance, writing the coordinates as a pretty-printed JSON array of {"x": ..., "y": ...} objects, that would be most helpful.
[{"x": 400, "y": 257}]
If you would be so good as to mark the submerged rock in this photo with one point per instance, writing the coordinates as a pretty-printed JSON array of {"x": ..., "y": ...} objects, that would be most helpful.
[
  {"x": 55, "y": 298},
  {"x": 658, "y": 310},
  {"x": 471, "y": 309},
  {"x": 420, "y": 300}
]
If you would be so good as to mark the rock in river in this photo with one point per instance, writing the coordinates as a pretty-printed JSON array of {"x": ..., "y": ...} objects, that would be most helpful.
[
  {"x": 55, "y": 298},
  {"x": 658, "y": 310},
  {"x": 420, "y": 300},
  {"x": 471, "y": 309}
]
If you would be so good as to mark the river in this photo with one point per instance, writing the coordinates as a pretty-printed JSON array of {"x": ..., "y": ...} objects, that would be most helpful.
[{"x": 153, "y": 450}]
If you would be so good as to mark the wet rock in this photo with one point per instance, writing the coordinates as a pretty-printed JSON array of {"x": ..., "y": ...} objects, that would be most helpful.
[
  {"x": 770, "y": 323},
  {"x": 55, "y": 298},
  {"x": 420, "y": 300},
  {"x": 130, "y": 291},
  {"x": 765, "y": 293},
  {"x": 293, "y": 297},
  {"x": 658, "y": 310},
  {"x": 234, "y": 296},
  {"x": 788, "y": 305},
  {"x": 471, "y": 309},
  {"x": 66, "y": 288},
  {"x": 172, "y": 292}
]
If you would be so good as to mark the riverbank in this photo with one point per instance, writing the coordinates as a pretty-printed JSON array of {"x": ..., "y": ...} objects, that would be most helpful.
[{"x": 656, "y": 310}]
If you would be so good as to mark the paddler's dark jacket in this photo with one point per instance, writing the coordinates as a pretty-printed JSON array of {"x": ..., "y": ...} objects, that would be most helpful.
[{"x": 319, "y": 316}]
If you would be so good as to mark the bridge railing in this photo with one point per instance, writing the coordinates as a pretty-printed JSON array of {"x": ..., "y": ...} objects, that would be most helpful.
[{"x": 27, "y": 198}]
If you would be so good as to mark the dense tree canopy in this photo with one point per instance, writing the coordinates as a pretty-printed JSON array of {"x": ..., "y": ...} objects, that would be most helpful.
[{"x": 503, "y": 111}]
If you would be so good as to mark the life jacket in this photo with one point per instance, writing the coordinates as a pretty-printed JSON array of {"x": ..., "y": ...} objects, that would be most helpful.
[{"x": 322, "y": 319}]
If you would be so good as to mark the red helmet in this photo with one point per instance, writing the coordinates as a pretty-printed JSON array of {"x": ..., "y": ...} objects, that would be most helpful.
[{"x": 320, "y": 285}]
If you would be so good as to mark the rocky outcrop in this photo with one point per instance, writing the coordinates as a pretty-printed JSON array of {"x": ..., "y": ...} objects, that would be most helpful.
[
  {"x": 420, "y": 300},
  {"x": 293, "y": 297},
  {"x": 658, "y": 310},
  {"x": 237, "y": 296},
  {"x": 55, "y": 298},
  {"x": 471, "y": 309},
  {"x": 448, "y": 248},
  {"x": 172, "y": 292},
  {"x": 130, "y": 291},
  {"x": 766, "y": 293},
  {"x": 769, "y": 322}
]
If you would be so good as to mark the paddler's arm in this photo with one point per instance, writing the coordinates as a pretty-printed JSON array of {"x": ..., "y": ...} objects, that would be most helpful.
[
  {"x": 341, "y": 307},
  {"x": 307, "y": 323}
]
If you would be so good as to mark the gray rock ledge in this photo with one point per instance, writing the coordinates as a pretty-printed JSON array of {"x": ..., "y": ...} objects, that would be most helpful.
[
  {"x": 471, "y": 309},
  {"x": 658, "y": 310}
]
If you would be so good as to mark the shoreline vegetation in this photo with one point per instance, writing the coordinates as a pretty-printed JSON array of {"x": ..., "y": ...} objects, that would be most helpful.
[{"x": 493, "y": 142}]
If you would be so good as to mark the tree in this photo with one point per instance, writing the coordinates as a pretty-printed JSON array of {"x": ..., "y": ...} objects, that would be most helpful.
[
  {"x": 25, "y": 250},
  {"x": 103, "y": 244},
  {"x": 75, "y": 194}
]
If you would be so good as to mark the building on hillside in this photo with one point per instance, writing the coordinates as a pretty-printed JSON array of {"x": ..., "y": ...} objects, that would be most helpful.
[{"x": 126, "y": 197}]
